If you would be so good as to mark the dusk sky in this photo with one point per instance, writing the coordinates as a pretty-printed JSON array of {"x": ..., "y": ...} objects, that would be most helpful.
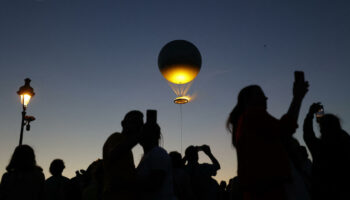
[{"x": 92, "y": 61}]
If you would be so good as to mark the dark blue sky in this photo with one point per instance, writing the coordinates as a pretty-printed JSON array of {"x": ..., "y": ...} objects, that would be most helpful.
[{"x": 91, "y": 61}]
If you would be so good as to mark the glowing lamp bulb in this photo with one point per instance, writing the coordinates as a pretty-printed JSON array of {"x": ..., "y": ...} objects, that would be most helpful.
[
  {"x": 25, "y": 98},
  {"x": 26, "y": 93}
]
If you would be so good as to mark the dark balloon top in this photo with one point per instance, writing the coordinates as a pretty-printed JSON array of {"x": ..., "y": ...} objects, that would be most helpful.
[{"x": 179, "y": 52}]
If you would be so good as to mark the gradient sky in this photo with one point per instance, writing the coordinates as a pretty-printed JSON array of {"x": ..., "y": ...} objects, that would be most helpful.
[{"x": 91, "y": 61}]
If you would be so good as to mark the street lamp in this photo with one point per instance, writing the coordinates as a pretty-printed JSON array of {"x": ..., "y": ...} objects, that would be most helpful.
[{"x": 26, "y": 93}]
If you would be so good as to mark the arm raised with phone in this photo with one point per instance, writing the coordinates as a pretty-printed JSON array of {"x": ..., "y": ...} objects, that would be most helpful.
[
  {"x": 300, "y": 88},
  {"x": 312, "y": 142},
  {"x": 207, "y": 151}
]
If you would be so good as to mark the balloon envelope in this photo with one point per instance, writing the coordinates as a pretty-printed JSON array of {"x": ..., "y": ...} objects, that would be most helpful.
[{"x": 179, "y": 61}]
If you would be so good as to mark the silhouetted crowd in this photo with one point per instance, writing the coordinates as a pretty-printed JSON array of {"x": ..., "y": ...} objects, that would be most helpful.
[{"x": 272, "y": 165}]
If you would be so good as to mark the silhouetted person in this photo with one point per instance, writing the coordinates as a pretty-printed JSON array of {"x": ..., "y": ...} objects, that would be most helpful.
[
  {"x": 23, "y": 179},
  {"x": 57, "y": 186},
  {"x": 305, "y": 164},
  {"x": 300, "y": 186},
  {"x": 259, "y": 138},
  {"x": 203, "y": 185},
  {"x": 77, "y": 185},
  {"x": 154, "y": 170},
  {"x": 118, "y": 160},
  {"x": 234, "y": 189},
  {"x": 331, "y": 156},
  {"x": 94, "y": 187},
  {"x": 223, "y": 193},
  {"x": 181, "y": 180}
]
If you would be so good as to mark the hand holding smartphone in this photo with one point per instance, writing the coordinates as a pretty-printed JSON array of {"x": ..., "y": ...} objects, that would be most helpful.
[
  {"x": 320, "y": 112},
  {"x": 300, "y": 85},
  {"x": 299, "y": 77}
]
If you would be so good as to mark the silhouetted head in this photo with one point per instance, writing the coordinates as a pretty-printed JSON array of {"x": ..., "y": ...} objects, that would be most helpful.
[
  {"x": 252, "y": 96},
  {"x": 23, "y": 158},
  {"x": 329, "y": 126},
  {"x": 191, "y": 154},
  {"x": 176, "y": 159},
  {"x": 249, "y": 97},
  {"x": 56, "y": 167},
  {"x": 223, "y": 185},
  {"x": 150, "y": 135},
  {"x": 132, "y": 122}
]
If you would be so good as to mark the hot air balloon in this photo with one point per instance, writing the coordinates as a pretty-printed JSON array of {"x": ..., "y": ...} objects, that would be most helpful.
[{"x": 179, "y": 61}]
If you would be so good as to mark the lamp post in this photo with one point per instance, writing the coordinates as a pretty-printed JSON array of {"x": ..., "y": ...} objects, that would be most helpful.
[{"x": 26, "y": 93}]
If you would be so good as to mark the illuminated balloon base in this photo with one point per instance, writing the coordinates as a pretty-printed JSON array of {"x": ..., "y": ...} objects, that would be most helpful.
[{"x": 181, "y": 100}]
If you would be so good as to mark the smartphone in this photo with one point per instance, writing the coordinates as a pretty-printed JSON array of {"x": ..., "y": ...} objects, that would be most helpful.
[
  {"x": 319, "y": 113},
  {"x": 151, "y": 116},
  {"x": 299, "y": 77}
]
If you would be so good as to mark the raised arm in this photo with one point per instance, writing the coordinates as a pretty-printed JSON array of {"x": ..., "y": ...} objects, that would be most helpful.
[
  {"x": 299, "y": 91},
  {"x": 206, "y": 150},
  {"x": 309, "y": 134}
]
